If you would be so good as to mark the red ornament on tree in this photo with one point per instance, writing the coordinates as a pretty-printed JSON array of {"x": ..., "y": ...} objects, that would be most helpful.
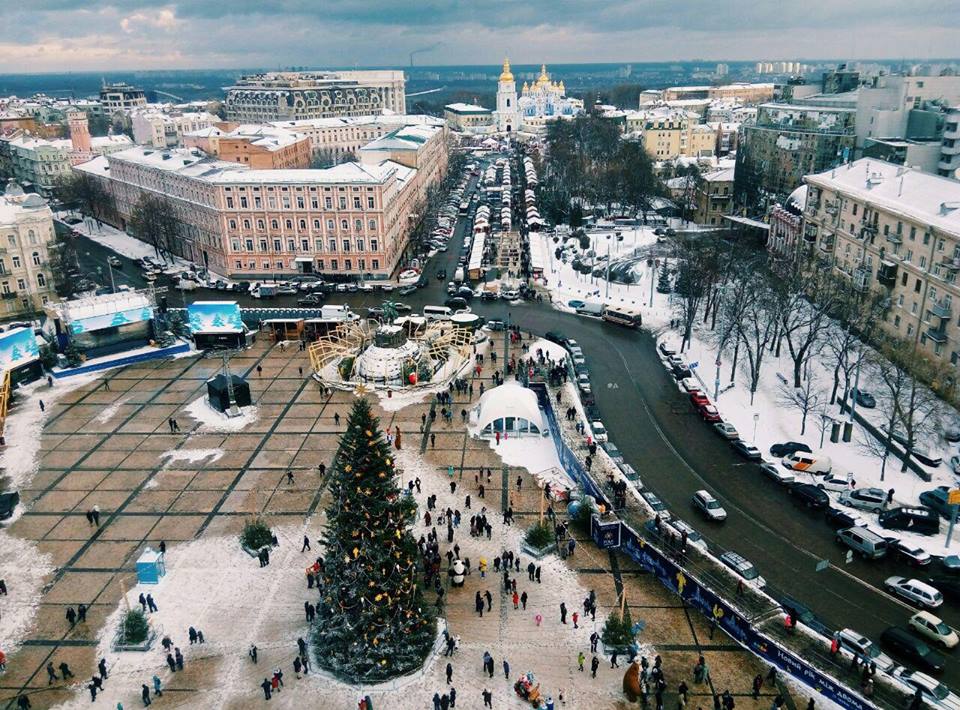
[{"x": 413, "y": 378}]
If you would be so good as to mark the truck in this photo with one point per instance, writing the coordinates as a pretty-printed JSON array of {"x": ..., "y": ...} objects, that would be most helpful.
[
  {"x": 261, "y": 291},
  {"x": 458, "y": 275}
]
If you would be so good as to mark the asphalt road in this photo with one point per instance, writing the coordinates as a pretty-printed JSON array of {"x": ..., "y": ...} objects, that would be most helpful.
[{"x": 676, "y": 453}]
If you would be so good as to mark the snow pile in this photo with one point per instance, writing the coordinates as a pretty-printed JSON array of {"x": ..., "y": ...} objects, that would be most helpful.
[
  {"x": 192, "y": 455},
  {"x": 25, "y": 423},
  {"x": 551, "y": 351},
  {"x": 24, "y": 568},
  {"x": 212, "y": 420},
  {"x": 110, "y": 411}
]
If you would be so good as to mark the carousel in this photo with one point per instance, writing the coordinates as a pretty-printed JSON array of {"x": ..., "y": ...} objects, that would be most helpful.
[{"x": 393, "y": 353}]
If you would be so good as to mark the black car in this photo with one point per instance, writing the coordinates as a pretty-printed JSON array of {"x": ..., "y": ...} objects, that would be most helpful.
[
  {"x": 902, "y": 643},
  {"x": 921, "y": 520},
  {"x": 8, "y": 503},
  {"x": 947, "y": 584},
  {"x": 457, "y": 303},
  {"x": 802, "y": 613},
  {"x": 789, "y": 447},
  {"x": 441, "y": 274},
  {"x": 555, "y": 337},
  {"x": 840, "y": 519},
  {"x": 864, "y": 399},
  {"x": 809, "y": 495}
]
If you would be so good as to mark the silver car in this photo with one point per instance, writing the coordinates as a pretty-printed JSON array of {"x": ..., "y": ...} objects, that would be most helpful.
[
  {"x": 872, "y": 499},
  {"x": 709, "y": 506}
]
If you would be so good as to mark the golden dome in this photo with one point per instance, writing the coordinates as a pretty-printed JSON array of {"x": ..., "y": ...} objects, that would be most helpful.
[
  {"x": 506, "y": 75},
  {"x": 543, "y": 78}
]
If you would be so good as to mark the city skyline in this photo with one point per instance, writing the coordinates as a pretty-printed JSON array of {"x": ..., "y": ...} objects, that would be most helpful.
[{"x": 53, "y": 35}]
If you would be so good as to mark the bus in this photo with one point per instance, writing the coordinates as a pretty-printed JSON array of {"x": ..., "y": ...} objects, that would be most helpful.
[{"x": 622, "y": 315}]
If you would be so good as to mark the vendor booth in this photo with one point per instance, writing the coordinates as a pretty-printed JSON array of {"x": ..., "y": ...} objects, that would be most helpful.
[
  {"x": 20, "y": 356},
  {"x": 216, "y": 325},
  {"x": 105, "y": 324},
  {"x": 284, "y": 328}
]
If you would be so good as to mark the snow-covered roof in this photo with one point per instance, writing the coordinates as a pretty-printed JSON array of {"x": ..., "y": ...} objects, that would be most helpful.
[
  {"x": 720, "y": 175},
  {"x": 405, "y": 138},
  {"x": 351, "y": 121},
  {"x": 466, "y": 108},
  {"x": 925, "y": 198},
  {"x": 510, "y": 399},
  {"x": 106, "y": 304}
]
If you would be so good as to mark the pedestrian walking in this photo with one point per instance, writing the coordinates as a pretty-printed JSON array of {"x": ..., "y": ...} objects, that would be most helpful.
[
  {"x": 449, "y": 673},
  {"x": 537, "y": 574},
  {"x": 523, "y": 600},
  {"x": 487, "y": 698},
  {"x": 252, "y": 652},
  {"x": 157, "y": 688},
  {"x": 306, "y": 544},
  {"x": 506, "y": 669},
  {"x": 594, "y": 639},
  {"x": 42, "y": 406},
  {"x": 757, "y": 685},
  {"x": 145, "y": 694},
  {"x": 151, "y": 605},
  {"x": 613, "y": 659},
  {"x": 65, "y": 671},
  {"x": 102, "y": 667},
  {"x": 516, "y": 600},
  {"x": 594, "y": 665},
  {"x": 576, "y": 616},
  {"x": 580, "y": 660},
  {"x": 336, "y": 418},
  {"x": 171, "y": 663},
  {"x": 51, "y": 674},
  {"x": 563, "y": 613},
  {"x": 267, "y": 687},
  {"x": 538, "y": 618},
  {"x": 290, "y": 480}
]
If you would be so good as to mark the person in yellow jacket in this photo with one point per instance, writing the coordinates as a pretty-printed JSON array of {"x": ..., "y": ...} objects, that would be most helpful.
[{"x": 483, "y": 567}]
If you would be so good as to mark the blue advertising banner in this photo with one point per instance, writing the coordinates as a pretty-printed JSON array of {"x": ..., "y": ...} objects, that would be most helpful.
[
  {"x": 110, "y": 320},
  {"x": 214, "y": 317},
  {"x": 605, "y": 535},
  {"x": 18, "y": 347}
]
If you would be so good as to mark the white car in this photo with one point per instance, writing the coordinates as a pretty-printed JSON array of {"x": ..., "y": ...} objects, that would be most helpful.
[
  {"x": 777, "y": 472},
  {"x": 914, "y": 591},
  {"x": 726, "y": 430},
  {"x": 955, "y": 464},
  {"x": 599, "y": 431},
  {"x": 854, "y": 642},
  {"x": 933, "y": 629},
  {"x": 933, "y": 692},
  {"x": 709, "y": 506},
  {"x": 871, "y": 499},
  {"x": 837, "y": 484},
  {"x": 690, "y": 384}
]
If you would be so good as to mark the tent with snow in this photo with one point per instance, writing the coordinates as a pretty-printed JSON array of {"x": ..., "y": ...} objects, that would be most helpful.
[
  {"x": 105, "y": 324},
  {"x": 509, "y": 409}
]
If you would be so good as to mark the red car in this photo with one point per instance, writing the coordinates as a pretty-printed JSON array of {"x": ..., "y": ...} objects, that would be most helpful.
[
  {"x": 698, "y": 399},
  {"x": 709, "y": 413}
]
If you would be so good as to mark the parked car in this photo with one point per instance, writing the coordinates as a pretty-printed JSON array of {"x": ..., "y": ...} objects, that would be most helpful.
[
  {"x": 709, "y": 413},
  {"x": 932, "y": 628},
  {"x": 658, "y": 506},
  {"x": 555, "y": 337},
  {"x": 694, "y": 538},
  {"x": 746, "y": 449},
  {"x": 921, "y": 520},
  {"x": 599, "y": 431},
  {"x": 903, "y": 644},
  {"x": 114, "y": 262},
  {"x": 689, "y": 384},
  {"x": 854, "y": 642},
  {"x": 871, "y": 499},
  {"x": 726, "y": 430},
  {"x": 948, "y": 584},
  {"x": 743, "y": 568},
  {"x": 839, "y": 518},
  {"x": 912, "y": 554},
  {"x": 666, "y": 350},
  {"x": 789, "y": 447},
  {"x": 777, "y": 472},
  {"x": 933, "y": 692},
  {"x": 708, "y": 506},
  {"x": 808, "y": 462},
  {"x": 312, "y": 299},
  {"x": 809, "y": 495},
  {"x": 8, "y": 504},
  {"x": 802, "y": 613},
  {"x": 914, "y": 591},
  {"x": 407, "y": 290},
  {"x": 836, "y": 484},
  {"x": 286, "y": 290},
  {"x": 951, "y": 431},
  {"x": 864, "y": 399},
  {"x": 863, "y": 542},
  {"x": 698, "y": 399},
  {"x": 937, "y": 499}
]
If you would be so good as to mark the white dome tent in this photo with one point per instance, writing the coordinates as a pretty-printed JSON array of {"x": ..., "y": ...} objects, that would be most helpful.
[{"x": 510, "y": 409}]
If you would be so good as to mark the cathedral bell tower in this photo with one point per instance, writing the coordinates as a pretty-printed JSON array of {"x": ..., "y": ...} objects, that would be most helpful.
[{"x": 507, "y": 114}]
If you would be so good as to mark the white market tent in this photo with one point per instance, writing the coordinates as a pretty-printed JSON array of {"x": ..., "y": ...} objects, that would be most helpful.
[{"x": 510, "y": 408}]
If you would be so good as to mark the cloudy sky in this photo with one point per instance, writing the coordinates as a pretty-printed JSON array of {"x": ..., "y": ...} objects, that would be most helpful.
[{"x": 57, "y": 35}]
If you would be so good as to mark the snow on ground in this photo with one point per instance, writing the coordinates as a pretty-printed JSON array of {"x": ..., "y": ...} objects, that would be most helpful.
[
  {"x": 551, "y": 351},
  {"x": 566, "y": 284},
  {"x": 110, "y": 411},
  {"x": 191, "y": 455},
  {"x": 212, "y": 420},
  {"x": 24, "y": 568},
  {"x": 25, "y": 423}
]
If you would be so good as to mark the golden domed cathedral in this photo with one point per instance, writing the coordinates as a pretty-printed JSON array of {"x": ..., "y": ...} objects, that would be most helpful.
[{"x": 538, "y": 102}]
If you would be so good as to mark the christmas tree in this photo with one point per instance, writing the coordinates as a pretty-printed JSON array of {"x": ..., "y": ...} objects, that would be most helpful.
[{"x": 372, "y": 621}]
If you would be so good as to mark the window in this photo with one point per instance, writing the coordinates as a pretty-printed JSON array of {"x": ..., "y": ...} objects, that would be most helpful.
[
  {"x": 16, "y": 262},
  {"x": 243, "y": 202},
  {"x": 333, "y": 246},
  {"x": 343, "y": 202},
  {"x": 300, "y": 202},
  {"x": 274, "y": 224},
  {"x": 291, "y": 246},
  {"x": 344, "y": 225},
  {"x": 328, "y": 202},
  {"x": 913, "y": 234},
  {"x": 249, "y": 245},
  {"x": 21, "y": 284},
  {"x": 235, "y": 245},
  {"x": 359, "y": 245},
  {"x": 5, "y": 287},
  {"x": 347, "y": 265},
  {"x": 277, "y": 245},
  {"x": 233, "y": 224},
  {"x": 896, "y": 322},
  {"x": 334, "y": 266},
  {"x": 288, "y": 223},
  {"x": 230, "y": 203},
  {"x": 318, "y": 244},
  {"x": 260, "y": 225},
  {"x": 372, "y": 225},
  {"x": 266, "y": 264},
  {"x": 303, "y": 224},
  {"x": 320, "y": 264},
  {"x": 356, "y": 202},
  {"x": 923, "y": 262},
  {"x": 316, "y": 224},
  {"x": 374, "y": 244},
  {"x": 358, "y": 225},
  {"x": 376, "y": 264},
  {"x": 916, "y": 286},
  {"x": 346, "y": 245},
  {"x": 329, "y": 224},
  {"x": 304, "y": 245},
  {"x": 36, "y": 258},
  {"x": 31, "y": 237},
  {"x": 41, "y": 280}
]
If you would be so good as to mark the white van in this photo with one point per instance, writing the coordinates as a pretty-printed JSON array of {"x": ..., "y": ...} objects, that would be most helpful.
[
  {"x": 815, "y": 463},
  {"x": 336, "y": 313},
  {"x": 437, "y": 312}
]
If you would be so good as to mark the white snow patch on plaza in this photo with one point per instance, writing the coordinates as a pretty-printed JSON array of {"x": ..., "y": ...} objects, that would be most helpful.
[
  {"x": 24, "y": 568},
  {"x": 192, "y": 455},
  {"x": 25, "y": 423},
  {"x": 110, "y": 411},
  {"x": 212, "y": 420}
]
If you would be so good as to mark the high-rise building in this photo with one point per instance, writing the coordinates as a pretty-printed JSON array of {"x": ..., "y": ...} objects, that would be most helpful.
[
  {"x": 121, "y": 97},
  {"x": 949, "y": 165},
  {"x": 291, "y": 96}
]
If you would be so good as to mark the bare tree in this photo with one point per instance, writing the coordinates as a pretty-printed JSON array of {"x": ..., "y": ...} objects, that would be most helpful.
[
  {"x": 806, "y": 398},
  {"x": 694, "y": 270},
  {"x": 153, "y": 220},
  {"x": 803, "y": 320},
  {"x": 756, "y": 330},
  {"x": 858, "y": 315},
  {"x": 86, "y": 192}
]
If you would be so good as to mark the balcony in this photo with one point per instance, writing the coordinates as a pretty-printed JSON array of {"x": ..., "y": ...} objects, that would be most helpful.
[
  {"x": 827, "y": 244},
  {"x": 887, "y": 273},
  {"x": 861, "y": 280},
  {"x": 894, "y": 237},
  {"x": 937, "y": 335},
  {"x": 951, "y": 262},
  {"x": 942, "y": 310},
  {"x": 810, "y": 233},
  {"x": 8, "y": 295}
]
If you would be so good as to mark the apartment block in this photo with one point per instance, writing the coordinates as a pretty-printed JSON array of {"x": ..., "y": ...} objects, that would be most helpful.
[{"x": 26, "y": 234}]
